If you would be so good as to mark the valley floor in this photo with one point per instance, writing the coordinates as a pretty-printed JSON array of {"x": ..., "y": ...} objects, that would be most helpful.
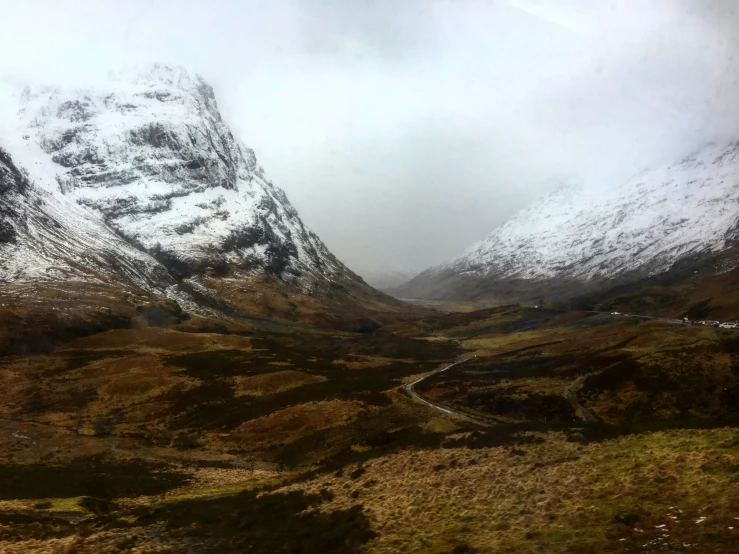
[{"x": 603, "y": 434}]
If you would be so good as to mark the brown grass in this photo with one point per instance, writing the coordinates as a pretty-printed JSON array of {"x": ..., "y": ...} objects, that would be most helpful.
[
  {"x": 296, "y": 421},
  {"x": 154, "y": 339},
  {"x": 556, "y": 496},
  {"x": 272, "y": 383},
  {"x": 365, "y": 362},
  {"x": 420, "y": 487}
]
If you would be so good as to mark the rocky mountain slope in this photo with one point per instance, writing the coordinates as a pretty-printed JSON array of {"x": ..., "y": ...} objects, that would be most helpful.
[
  {"x": 63, "y": 272},
  {"x": 139, "y": 184},
  {"x": 581, "y": 238},
  {"x": 152, "y": 155},
  {"x": 46, "y": 237}
]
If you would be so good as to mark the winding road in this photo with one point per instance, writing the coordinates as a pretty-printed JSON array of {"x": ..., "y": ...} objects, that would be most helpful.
[
  {"x": 413, "y": 394},
  {"x": 570, "y": 394}
]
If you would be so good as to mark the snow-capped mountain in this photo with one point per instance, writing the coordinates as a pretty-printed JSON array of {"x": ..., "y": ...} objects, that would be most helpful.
[
  {"x": 152, "y": 155},
  {"x": 584, "y": 234},
  {"x": 140, "y": 185}
]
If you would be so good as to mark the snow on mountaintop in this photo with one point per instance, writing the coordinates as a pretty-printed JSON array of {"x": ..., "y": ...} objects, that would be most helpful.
[
  {"x": 150, "y": 153},
  {"x": 643, "y": 225}
]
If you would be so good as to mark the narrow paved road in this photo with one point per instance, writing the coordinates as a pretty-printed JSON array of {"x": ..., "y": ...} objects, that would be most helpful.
[
  {"x": 665, "y": 319},
  {"x": 413, "y": 394},
  {"x": 570, "y": 394}
]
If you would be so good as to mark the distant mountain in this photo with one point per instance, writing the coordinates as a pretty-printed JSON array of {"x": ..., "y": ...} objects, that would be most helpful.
[
  {"x": 579, "y": 238},
  {"x": 140, "y": 184},
  {"x": 386, "y": 280}
]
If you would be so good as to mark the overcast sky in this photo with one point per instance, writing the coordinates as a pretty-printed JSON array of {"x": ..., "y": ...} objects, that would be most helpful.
[{"x": 403, "y": 131}]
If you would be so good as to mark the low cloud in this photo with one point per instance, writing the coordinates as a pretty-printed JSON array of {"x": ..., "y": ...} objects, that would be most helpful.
[{"x": 403, "y": 132}]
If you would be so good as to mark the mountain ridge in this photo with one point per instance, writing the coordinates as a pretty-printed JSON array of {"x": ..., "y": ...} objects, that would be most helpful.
[{"x": 577, "y": 238}]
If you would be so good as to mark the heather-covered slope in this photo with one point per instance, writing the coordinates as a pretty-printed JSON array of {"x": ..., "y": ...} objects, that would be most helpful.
[{"x": 157, "y": 440}]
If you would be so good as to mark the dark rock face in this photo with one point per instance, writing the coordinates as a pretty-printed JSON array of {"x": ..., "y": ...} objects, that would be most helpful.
[
  {"x": 7, "y": 232},
  {"x": 12, "y": 180},
  {"x": 12, "y": 184}
]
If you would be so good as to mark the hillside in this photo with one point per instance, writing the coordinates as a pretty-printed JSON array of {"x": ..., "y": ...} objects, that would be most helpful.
[
  {"x": 138, "y": 187},
  {"x": 581, "y": 238},
  {"x": 166, "y": 441}
]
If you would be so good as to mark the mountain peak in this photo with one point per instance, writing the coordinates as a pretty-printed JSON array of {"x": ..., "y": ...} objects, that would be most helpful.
[
  {"x": 154, "y": 158},
  {"x": 168, "y": 74}
]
